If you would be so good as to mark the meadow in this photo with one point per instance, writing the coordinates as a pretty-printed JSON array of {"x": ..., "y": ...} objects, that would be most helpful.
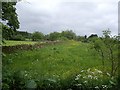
[
  {"x": 70, "y": 65},
  {"x": 47, "y": 54}
]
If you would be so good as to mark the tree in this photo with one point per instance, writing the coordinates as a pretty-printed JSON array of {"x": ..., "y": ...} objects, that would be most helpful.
[
  {"x": 111, "y": 44},
  {"x": 99, "y": 46},
  {"x": 46, "y": 37},
  {"x": 36, "y": 36},
  {"x": 80, "y": 38},
  {"x": 54, "y": 36},
  {"x": 68, "y": 34},
  {"x": 24, "y": 34},
  {"x": 9, "y": 15},
  {"x": 107, "y": 47},
  {"x": 18, "y": 37}
]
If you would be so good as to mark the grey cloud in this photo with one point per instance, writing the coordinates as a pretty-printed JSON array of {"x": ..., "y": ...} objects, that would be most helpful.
[{"x": 83, "y": 17}]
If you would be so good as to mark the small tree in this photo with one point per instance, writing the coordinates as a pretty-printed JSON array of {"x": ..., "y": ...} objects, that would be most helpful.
[
  {"x": 18, "y": 37},
  {"x": 111, "y": 45},
  {"x": 54, "y": 36},
  {"x": 36, "y": 36},
  {"x": 69, "y": 34},
  {"x": 80, "y": 38},
  {"x": 99, "y": 46},
  {"x": 107, "y": 47}
]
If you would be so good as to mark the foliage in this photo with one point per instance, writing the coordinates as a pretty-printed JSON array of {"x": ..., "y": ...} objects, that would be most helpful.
[
  {"x": 36, "y": 36},
  {"x": 107, "y": 47},
  {"x": 25, "y": 34},
  {"x": 18, "y": 37},
  {"x": 94, "y": 79},
  {"x": 68, "y": 34},
  {"x": 7, "y": 33},
  {"x": 55, "y": 67},
  {"x": 80, "y": 38},
  {"x": 54, "y": 36},
  {"x": 9, "y": 15},
  {"x": 64, "y": 35}
]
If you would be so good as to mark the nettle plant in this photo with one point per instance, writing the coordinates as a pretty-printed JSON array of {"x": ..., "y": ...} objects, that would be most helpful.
[{"x": 95, "y": 79}]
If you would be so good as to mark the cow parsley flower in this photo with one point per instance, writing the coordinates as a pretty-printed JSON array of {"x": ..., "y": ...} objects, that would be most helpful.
[
  {"x": 90, "y": 76},
  {"x": 97, "y": 87}
]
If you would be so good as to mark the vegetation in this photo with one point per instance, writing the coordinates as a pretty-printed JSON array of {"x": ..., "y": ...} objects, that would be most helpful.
[
  {"x": 91, "y": 63},
  {"x": 13, "y": 43},
  {"x": 7, "y": 33},
  {"x": 9, "y": 15},
  {"x": 75, "y": 63},
  {"x": 64, "y": 61},
  {"x": 36, "y": 36},
  {"x": 108, "y": 49},
  {"x": 57, "y": 67}
]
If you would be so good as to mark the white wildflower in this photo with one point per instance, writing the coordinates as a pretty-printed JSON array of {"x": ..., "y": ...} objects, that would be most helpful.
[
  {"x": 78, "y": 84},
  {"x": 79, "y": 75},
  {"x": 90, "y": 76},
  {"x": 26, "y": 74},
  {"x": 84, "y": 77},
  {"x": 77, "y": 78},
  {"x": 93, "y": 72},
  {"x": 104, "y": 86},
  {"x": 88, "y": 70},
  {"x": 96, "y": 87},
  {"x": 96, "y": 77},
  {"x": 82, "y": 71},
  {"x": 108, "y": 74},
  {"x": 85, "y": 81},
  {"x": 99, "y": 71}
]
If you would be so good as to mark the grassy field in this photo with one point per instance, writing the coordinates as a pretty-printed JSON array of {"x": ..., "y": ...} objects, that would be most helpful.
[
  {"x": 13, "y": 43},
  {"x": 55, "y": 62}
]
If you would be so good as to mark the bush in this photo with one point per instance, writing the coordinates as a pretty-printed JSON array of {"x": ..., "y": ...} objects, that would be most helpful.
[
  {"x": 94, "y": 79},
  {"x": 18, "y": 37},
  {"x": 36, "y": 36}
]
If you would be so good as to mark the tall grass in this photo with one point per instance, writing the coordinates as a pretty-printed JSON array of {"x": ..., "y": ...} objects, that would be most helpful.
[{"x": 55, "y": 63}]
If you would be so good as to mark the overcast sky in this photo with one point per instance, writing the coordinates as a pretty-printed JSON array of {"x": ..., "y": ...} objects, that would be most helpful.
[{"x": 84, "y": 17}]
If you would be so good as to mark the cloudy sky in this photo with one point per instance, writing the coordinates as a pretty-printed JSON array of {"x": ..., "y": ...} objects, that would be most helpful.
[{"x": 84, "y": 17}]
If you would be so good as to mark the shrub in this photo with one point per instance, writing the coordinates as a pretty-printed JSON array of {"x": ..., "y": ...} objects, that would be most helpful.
[
  {"x": 18, "y": 37},
  {"x": 94, "y": 79}
]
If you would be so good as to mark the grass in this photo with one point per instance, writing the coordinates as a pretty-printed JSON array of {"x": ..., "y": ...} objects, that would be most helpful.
[
  {"x": 58, "y": 62},
  {"x": 13, "y": 43},
  {"x": 63, "y": 60}
]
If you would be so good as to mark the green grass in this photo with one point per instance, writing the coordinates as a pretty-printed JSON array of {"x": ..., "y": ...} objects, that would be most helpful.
[
  {"x": 58, "y": 61},
  {"x": 13, "y": 43},
  {"x": 57, "y": 67}
]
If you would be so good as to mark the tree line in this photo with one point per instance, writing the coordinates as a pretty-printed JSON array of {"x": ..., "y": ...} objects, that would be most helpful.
[{"x": 10, "y": 34}]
